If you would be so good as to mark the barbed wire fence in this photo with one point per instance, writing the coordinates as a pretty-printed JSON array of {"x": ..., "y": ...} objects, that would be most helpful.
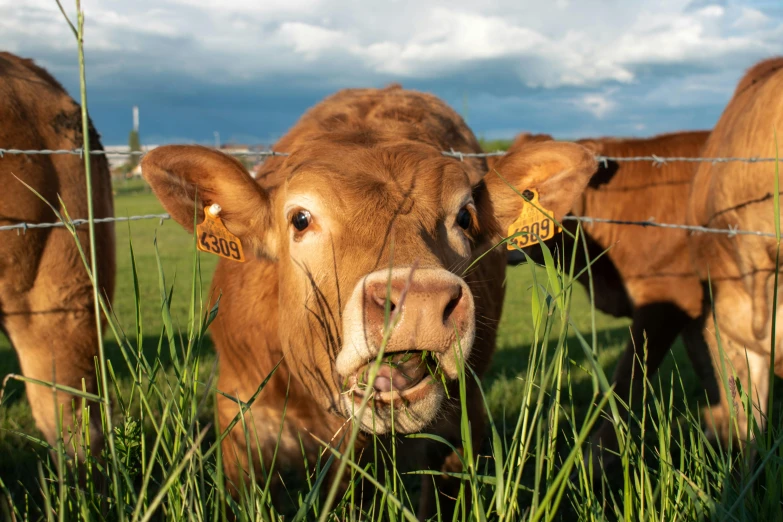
[
  {"x": 653, "y": 158},
  {"x": 263, "y": 154}
]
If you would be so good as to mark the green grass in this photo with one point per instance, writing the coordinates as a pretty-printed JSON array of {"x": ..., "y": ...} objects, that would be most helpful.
[
  {"x": 494, "y": 145},
  {"x": 506, "y": 384}
]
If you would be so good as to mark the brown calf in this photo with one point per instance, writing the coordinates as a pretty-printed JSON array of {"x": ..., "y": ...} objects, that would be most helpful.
[
  {"x": 365, "y": 188},
  {"x": 741, "y": 269},
  {"x": 646, "y": 274},
  {"x": 46, "y": 304}
]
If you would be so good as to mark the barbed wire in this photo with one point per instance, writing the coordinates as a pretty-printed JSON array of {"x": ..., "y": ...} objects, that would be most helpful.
[
  {"x": 662, "y": 160},
  {"x": 731, "y": 231},
  {"x": 78, "y": 222},
  {"x": 80, "y": 152},
  {"x": 652, "y": 158}
]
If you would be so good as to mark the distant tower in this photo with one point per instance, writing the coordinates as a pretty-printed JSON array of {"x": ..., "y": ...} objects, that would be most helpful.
[{"x": 134, "y": 142}]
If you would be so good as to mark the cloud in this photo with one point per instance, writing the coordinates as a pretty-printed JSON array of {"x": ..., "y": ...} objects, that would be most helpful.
[
  {"x": 311, "y": 40},
  {"x": 751, "y": 19},
  {"x": 600, "y": 60},
  {"x": 599, "y": 105},
  {"x": 543, "y": 45},
  {"x": 700, "y": 36}
]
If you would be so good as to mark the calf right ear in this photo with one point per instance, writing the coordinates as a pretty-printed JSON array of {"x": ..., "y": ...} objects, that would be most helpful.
[
  {"x": 190, "y": 177},
  {"x": 559, "y": 171},
  {"x": 606, "y": 169}
]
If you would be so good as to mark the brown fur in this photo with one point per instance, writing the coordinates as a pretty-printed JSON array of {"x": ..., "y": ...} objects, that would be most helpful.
[
  {"x": 372, "y": 159},
  {"x": 741, "y": 269},
  {"x": 759, "y": 72},
  {"x": 646, "y": 274},
  {"x": 46, "y": 305}
]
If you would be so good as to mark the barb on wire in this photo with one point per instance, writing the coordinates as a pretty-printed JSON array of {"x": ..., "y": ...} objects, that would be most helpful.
[{"x": 731, "y": 231}]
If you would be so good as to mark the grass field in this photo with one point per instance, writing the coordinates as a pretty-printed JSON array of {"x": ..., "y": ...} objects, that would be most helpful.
[{"x": 505, "y": 384}]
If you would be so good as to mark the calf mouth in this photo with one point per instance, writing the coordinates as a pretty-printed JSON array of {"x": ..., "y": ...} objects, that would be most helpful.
[{"x": 403, "y": 377}]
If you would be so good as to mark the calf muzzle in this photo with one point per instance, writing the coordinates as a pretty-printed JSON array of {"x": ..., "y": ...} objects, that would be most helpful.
[{"x": 422, "y": 319}]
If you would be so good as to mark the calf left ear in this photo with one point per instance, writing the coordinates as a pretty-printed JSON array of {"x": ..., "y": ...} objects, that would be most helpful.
[
  {"x": 558, "y": 171},
  {"x": 184, "y": 176}
]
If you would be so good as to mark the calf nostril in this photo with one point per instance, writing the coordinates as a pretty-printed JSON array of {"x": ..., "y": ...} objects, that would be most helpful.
[
  {"x": 452, "y": 304},
  {"x": 380, "y": 300}
]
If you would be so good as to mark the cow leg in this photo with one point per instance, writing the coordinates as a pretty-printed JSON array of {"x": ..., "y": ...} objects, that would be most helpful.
[
  {"x": 59, "y": 347},
  {"x": 661, "y": 322},
  {"x": 745, "y": 358},
  {"x": 751, "y": 371},
  {"x": 698, "y": 352},
  {"x": 49, "y": 316}
]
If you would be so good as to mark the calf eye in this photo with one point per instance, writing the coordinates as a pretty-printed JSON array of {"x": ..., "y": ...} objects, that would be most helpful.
[
  {"x": 301, "y": 220},
  {"x": 464, "y": 218}
]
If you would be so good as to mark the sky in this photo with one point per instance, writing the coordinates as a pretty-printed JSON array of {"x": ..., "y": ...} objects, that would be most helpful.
[{"x": 248, "y": 69}]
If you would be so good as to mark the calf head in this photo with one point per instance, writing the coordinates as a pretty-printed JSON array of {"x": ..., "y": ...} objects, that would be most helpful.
[{"x": 369, "y": 241}]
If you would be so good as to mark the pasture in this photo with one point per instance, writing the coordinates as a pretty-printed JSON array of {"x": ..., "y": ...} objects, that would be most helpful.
[
  {"x": 511, "y": 382},
  {"x": 549, "y": 385}
]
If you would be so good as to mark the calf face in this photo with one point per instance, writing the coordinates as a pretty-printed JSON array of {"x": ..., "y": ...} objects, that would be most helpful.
[{"x": 363, "y": 230}]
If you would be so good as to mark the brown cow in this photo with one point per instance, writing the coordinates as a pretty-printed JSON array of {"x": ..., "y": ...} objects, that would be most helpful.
[
  {"x": 365, "y": 188},
  {"x": 646, "y": 274},
  {"x": 46, "y": 302},
  {"x": 741, "y": 268}
]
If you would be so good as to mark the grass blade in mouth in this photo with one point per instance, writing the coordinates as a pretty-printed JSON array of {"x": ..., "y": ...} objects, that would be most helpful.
[{"x": 399, "y": 372}]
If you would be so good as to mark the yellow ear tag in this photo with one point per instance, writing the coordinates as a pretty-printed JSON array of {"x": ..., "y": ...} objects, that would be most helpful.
[
  {"x": 531, "y": 223},
  {"x": 214, "y": 237}
]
